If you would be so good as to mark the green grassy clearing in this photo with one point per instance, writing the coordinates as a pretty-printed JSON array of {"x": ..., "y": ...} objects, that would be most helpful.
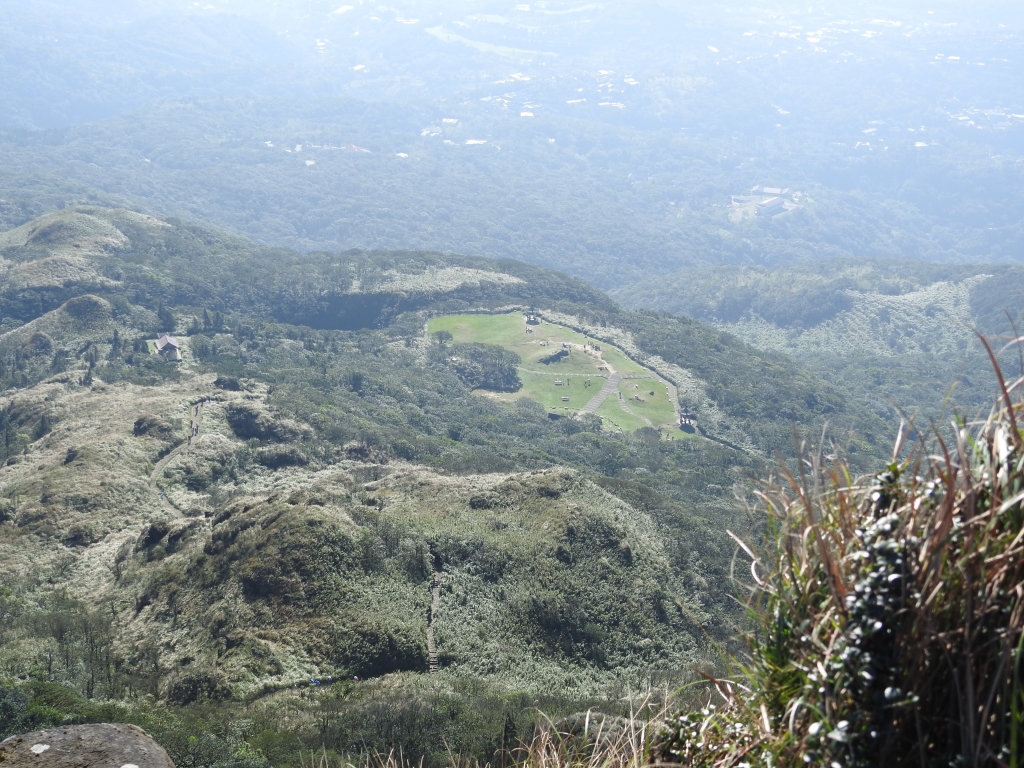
[
  {"x": 613, "y": 415},
  {"x": 543, "y": 389},
  {"x": 622, "y": 364},
  {"x": 656, "y": 407},
  {"x": 506, "y": 330},
  {"x": 582, "y": 364},
  {"x": 509, "y": 331}
]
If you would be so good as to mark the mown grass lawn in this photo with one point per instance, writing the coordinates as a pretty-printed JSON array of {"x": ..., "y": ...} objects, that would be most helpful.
[
  {"x": 657, "y": 407},
  {"x": 612, "y": 414},
  {"x": 582, "y": 372}
]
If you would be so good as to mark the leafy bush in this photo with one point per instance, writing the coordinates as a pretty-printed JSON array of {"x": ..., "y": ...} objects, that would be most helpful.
[
  {"x": 199, "y": 685},
  {"x": 249, "y": 422},
  {"x": 486, "y": 366},
  {"x": 281, "y": 456},
  {"x": 13, "y": 706},
  {"x": 888, "y": 616}
]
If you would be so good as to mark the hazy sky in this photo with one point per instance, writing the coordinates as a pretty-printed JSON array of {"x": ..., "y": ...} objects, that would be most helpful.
[{"x": 905, "y": 118}]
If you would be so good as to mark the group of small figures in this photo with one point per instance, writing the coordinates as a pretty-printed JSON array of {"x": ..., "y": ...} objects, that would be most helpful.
[
  {"x": 688, "y": 422},
  {"x": 193, "y": 423}
]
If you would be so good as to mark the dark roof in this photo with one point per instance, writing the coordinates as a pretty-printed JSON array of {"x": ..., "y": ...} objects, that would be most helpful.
[{"x": 166, "y": 341}]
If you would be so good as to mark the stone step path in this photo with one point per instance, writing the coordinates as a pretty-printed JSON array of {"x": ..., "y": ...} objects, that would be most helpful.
[
  {"x": 611, "y": 384},
  {"x": 433, "y": 665}
]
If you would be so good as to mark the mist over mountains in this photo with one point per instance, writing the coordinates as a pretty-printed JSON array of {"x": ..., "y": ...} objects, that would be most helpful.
[
  {"x": 607, "y": 140},
  {"x": 387, "y": 380}
]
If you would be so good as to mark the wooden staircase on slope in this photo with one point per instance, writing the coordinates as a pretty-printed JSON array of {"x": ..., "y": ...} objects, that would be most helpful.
[{"x": 433, "y": 665}]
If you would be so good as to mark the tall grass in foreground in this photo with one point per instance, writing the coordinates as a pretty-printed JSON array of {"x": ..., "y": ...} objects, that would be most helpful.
[
  {"x": 585, "y": 740},
  {"x": 887, "y": 615}
]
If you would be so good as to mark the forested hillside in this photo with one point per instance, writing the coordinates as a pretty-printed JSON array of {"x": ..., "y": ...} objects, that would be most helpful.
[
  {"x": 395, "y": 386},
  {"x": 902, "y": 333},
  {"x": 284, "y": 503}
]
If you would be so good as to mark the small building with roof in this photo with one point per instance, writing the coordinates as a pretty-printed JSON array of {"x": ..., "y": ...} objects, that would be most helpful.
[
  {"x": 169, "y": 348},
  {"x": 771, "y": 206}
]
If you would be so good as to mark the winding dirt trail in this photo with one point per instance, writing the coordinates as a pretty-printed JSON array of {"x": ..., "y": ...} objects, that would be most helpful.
[{"x": 195, "y": 425}]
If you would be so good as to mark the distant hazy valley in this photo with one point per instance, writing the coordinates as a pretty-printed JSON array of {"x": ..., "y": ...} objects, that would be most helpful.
[{"x": 395, "y": 378}]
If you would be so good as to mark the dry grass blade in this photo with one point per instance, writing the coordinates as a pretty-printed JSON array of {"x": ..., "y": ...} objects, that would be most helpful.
[{"x": 889, "y": 628}]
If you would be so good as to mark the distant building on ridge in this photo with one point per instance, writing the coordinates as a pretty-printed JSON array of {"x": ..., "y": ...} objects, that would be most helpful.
[
  {"x": 168, "y": 348},
  {"x": 771, "y": 206}
]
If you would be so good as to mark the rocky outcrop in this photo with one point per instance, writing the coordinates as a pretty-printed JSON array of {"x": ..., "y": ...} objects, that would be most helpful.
[{"x": 84, "y": 746}]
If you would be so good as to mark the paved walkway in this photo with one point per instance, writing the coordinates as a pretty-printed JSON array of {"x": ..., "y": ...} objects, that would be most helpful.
[
  {"x": 611, "y": 384},
  {"x": 194, "y": 425}
]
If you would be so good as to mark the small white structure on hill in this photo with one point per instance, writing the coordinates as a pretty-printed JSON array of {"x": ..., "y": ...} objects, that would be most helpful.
[
  {"x": 168, "y": 348},
  {"x": 783, "y": 191},
  {"x": 771, "y": 206}
]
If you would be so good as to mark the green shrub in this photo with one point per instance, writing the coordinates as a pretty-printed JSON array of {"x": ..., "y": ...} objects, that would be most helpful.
[
  {"x": 13, "y": 706},
  {"x": 199, "y": 685},
  {"x": 888, "y": 616},
  {"x": 486, "y": 366}
]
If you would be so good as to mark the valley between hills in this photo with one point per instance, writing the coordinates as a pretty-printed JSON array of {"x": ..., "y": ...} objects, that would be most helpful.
[
  {"x": 532, "y": 384},
  {"x": 363, "y": 468}
]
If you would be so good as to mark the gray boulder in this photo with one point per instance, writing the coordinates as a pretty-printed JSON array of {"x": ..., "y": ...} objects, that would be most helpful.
[{"x": 84, "y": 746}]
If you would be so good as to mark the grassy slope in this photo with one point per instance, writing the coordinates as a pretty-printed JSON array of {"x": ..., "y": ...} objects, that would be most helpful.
[
  {"x": 264, "y": 576},
  {"x": 579, "y": 376},
  {"x": 300, "y": 539}
]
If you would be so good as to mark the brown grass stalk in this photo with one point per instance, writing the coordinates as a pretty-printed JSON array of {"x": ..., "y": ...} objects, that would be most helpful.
[{"x": 889, "y": 612}]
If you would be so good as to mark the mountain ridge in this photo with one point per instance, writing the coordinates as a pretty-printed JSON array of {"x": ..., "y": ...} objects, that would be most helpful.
[{"x": 345, "y": 464}]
